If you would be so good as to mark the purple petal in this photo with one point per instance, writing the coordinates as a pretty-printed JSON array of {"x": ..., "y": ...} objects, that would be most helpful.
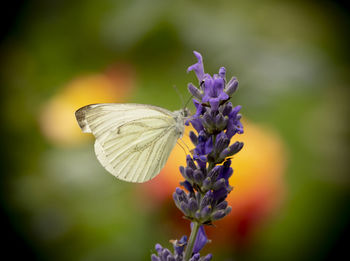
[
  {"x": 197, "y": 124},
  {"x": 214, "y": 103},
  {"x": 209, "y": 90},
  {"x": 197, "y": 67},
  {"x": 219, "y": 85},
  {"x": 200, "y": 241},
  {"x": 179, "y": 245},
  {"x": 236, "y": 110}
]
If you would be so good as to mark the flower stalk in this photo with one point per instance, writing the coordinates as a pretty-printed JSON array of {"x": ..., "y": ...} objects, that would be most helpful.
[
  {"x": 193, "y": 236},
  {"x": 208, "y": 167}
]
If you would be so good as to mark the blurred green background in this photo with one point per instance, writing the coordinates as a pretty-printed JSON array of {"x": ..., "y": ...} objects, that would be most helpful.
[{"x": 292, "y": 61}]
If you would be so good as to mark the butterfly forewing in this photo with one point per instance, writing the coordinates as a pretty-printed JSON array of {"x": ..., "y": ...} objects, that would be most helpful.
[{"x": 133, "y": 141}]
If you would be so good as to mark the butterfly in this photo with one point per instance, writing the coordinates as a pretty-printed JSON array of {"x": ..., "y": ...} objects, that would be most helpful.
[{"x": 133, "y": 141}]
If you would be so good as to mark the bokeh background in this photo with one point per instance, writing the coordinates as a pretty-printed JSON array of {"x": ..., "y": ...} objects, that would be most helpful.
[{"x": 291, "y": 181}]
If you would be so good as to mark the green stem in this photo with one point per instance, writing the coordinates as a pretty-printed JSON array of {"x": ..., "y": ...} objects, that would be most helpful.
[{"x": 190, "y": 244}]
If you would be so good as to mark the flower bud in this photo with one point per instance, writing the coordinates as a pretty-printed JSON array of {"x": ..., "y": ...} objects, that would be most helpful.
[
  {"x": 159, "y": 248},
  {"x": 192, "y": 205},
  {"x": 155, "y": 258},
  {"x": 222, "y": 205},
  {"x": 219, "y": 184},
  {"x": 165, "y": 253},
  {"x": 184, "y": 208},
  {"x": 208, "y": 257},
  {"x": 198, "y": 176},
  {"x": 170, "y": 258},
  {"x": 206, "y": 184},
  {"x": 193, "y": 138},
  {"x": 227, "y": 109},
  {"x": 197, "y": 93},
  {"x": 222, "y": 72},
  {"x": 206, "y": 200},
  {"x": 181, "y": 195},
  {"x": 221, "y": 143},
  {"x": 233, "y": 149},
  {"x": 187, "y": 185},
  {"x": 231, "y": 86},
  {"x": 228, "y": 210},
  {"x": 182, "y": 171},
  {"x": 205, "y": 212},
  {"x": 218, "y": 214},
  {"x": 176, "y": 199},
  {"x": 189, "y": 173},
  {"x": 190, "y": 162},
  {"x": 195, "y": 257},
  {"x": 214, "y": 173},
  {"x": 208, "y": 122},
  {"x": 220, "y": 122}
]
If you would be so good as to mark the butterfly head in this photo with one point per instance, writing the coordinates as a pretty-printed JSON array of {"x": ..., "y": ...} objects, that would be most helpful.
[
  {"x": 182, "y": 114},
  {"x": 185, "y": 112},
  {"x": 180, "y": 117}
]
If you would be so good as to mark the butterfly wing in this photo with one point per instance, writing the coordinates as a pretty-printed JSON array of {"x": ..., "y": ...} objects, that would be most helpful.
[{"x": 133, "y": 141}]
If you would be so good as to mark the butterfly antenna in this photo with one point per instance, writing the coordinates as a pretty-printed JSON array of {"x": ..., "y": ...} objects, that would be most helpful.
[
  {"x": 181, "y": 147},
  {"x": 185, "y": 144},
  {"x": 179, "y": 94},
  {"x": 191, "y": 151},
  {"x": 189, "y": 99}
]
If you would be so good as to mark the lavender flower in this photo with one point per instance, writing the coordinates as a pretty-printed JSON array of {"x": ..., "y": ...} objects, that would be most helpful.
[{"x": 208, "y": 168}]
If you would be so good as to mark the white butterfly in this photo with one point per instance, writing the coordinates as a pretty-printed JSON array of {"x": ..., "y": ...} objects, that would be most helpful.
[{"x": 133, "y": 141}]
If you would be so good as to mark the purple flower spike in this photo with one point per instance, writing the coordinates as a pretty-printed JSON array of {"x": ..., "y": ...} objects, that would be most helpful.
[
  {"x": 208, "y": 166},
  {"x": 198, "y": 67}
]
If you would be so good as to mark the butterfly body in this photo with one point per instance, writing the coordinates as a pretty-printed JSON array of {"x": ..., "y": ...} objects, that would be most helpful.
[{"x": 133, "y": 141}]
